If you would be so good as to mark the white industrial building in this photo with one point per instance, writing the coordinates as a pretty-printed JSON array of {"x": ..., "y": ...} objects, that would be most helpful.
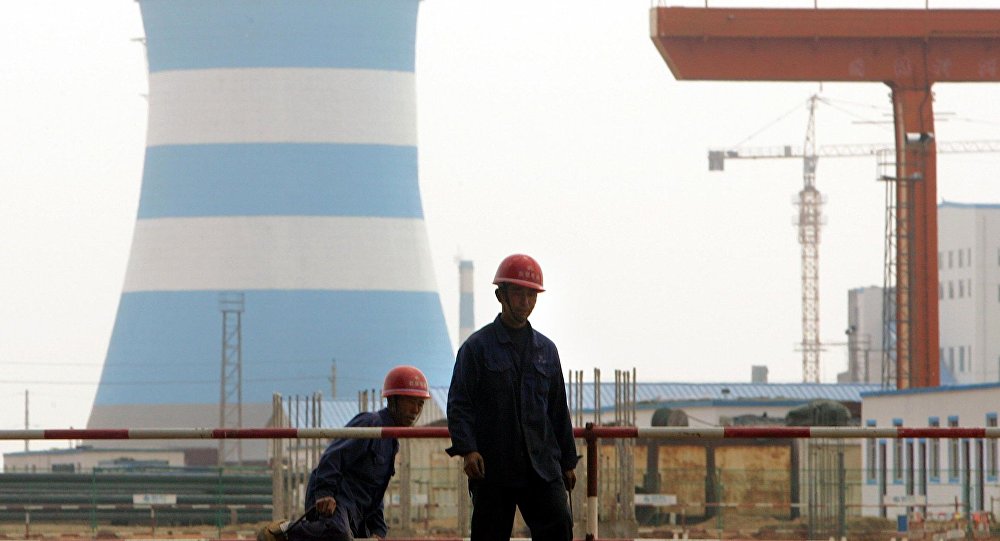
[
  {"x": 969, "y": 291},
  {"x": 935, "y": 477},
  {"x": 969, "y": 296},
  {"x": 865, "y": 346},
  {"x": 930, "y": 477}
]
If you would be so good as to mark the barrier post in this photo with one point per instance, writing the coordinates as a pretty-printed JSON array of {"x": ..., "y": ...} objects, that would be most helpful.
[
  {"x": 218, "y": 504},
  {"x": 591, "y": 481},
  {"x": 967, "y": 486},
  {"x": 841, "y": 495},
  {"x": 93, "y": 502}
]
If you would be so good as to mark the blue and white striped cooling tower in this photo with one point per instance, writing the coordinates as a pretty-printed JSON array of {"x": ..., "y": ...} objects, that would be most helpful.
[{"x": 281, "y": 163}]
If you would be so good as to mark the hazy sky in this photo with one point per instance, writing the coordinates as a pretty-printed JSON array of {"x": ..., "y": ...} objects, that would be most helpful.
[{"x": 552, "y": 128}]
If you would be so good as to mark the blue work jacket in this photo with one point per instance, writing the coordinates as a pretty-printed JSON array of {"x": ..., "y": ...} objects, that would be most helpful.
[
  {"x": 512, "y": 411},
  {"x": 356, "y": 473}
]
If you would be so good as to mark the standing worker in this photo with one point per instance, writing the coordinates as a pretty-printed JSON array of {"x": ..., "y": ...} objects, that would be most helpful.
[
  {"x": 509, "y": 419},
  {"x": 345, "y": 491}
]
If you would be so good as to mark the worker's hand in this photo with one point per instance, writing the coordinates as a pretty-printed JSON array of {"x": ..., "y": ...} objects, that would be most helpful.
[
  {"x": 569, "y": 479},
  {"x": 325, "y": 506},
  {"x": 474, "y": 466}
]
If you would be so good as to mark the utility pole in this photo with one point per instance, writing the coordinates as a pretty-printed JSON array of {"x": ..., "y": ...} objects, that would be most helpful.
[
  {"x": 333, "y": 378},
  {"x": 231, "y": 393},
  {"x": 26, "y": 418}
]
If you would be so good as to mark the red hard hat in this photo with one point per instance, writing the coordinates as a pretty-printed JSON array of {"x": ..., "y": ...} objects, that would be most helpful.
[
  {"x": 520, "y": 269},
  {"x": 405, "y": 381}
]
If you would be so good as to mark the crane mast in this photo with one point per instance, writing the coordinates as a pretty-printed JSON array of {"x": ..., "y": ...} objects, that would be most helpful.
[{"x": 810, "y": 221}]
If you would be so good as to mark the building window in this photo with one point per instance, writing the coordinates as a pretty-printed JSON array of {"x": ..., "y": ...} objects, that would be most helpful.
[
  {"x": 897, "y": 455},
  {"x": 871, "y": 458},
  {"x": 951, "y": 290},
  {"x": 961, "y": 256},
  {"x": 961, "y": 358},
  {"x": 950, "y": 258},
  {"x": 968, "y": 286},
  {"x": 921, "y": 467},
  {"x": 991, "y": 448},
  {"x": 961, "y": 288},
  {"x": 953, "y": 457}
]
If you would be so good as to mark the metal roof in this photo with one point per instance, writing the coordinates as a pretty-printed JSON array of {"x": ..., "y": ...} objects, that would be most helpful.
[
  {"x": 338, "y": 412},
  {"x": 954, "y": 204},
  {"x": 659, "y": 393}
]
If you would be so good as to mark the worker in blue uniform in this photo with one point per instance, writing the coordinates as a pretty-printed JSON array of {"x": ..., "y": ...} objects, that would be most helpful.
[
  {"x": 509, "y": 419},
  {"x": 345, "y": 491}
]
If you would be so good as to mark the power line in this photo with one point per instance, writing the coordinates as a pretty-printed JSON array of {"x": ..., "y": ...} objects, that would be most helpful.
[
  {"x": 158, "y": 382},
  {"x": 144, "y": 364}
]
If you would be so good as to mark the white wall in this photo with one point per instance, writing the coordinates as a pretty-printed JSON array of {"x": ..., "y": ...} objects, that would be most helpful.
[
  {"x": 864, "y": 321},
  {"x": 84, "y": 460},
  {"x": 970, "y": 406},
  {"x": 969, "y": 258}
]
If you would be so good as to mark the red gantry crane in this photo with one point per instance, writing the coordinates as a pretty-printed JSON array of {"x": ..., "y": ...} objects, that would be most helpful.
[{"x": 908, "y": 50}]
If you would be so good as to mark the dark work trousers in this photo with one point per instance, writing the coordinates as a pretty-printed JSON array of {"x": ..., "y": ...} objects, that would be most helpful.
[
  {"x": 336, "y": 527},
  {"x": 544, "y": 507}
]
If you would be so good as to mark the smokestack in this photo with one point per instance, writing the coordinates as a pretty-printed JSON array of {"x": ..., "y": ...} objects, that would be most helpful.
[
  {"x": 466, "y": 312},
  {"x": 758, "y": 373}
]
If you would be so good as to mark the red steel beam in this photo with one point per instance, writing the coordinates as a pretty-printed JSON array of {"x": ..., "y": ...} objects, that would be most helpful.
[
  {"x": 588, "y": 433},
  {"x": 907, "y": 47},
  {"x": 908, "y": 50}
]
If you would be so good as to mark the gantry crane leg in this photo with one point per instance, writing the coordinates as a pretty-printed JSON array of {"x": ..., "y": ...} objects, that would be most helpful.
[
  {"x": 916, "y": 238},
  {"x": 907, "y": 49}
]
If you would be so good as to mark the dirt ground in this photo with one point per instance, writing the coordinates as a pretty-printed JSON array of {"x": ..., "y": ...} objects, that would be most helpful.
[
  {"x": 55, "y": 532},
  {"x": 858, "y": 529}
]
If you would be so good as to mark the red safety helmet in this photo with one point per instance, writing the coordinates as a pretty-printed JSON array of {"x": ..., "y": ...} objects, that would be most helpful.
[
  {"x": 405, "y": 381},
  {"x": 520, "y": 269}
]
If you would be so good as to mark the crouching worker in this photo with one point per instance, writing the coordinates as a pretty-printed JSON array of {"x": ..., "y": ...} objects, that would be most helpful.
[{"x": 345, "y": 491}]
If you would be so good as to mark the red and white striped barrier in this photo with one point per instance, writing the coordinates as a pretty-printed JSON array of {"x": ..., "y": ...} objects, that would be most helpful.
[
  {"x": 590, "y": 433},
  {"x": 712, "y": 433},
  {"x": 128, "y": 506}
]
